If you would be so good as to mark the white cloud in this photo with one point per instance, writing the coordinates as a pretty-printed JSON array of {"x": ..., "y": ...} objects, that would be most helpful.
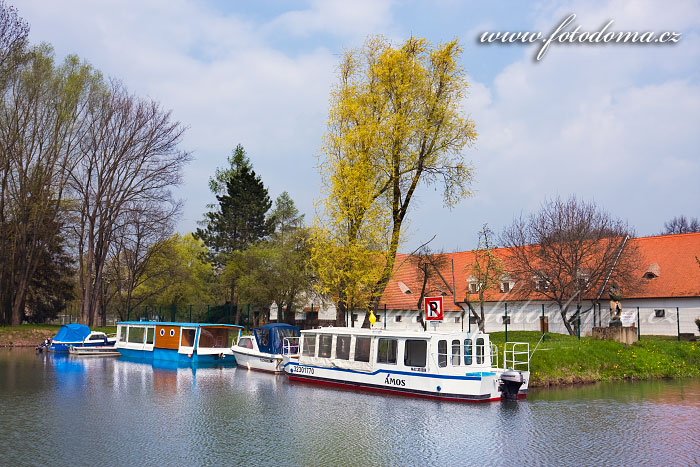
[
  {"x": 355, "y": 19},
  {"x": 614, "y": 123},
  {"x": 617, "y": 124}
]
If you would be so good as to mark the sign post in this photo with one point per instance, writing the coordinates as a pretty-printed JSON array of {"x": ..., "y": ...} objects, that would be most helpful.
[{"x": 433, "y": 309}]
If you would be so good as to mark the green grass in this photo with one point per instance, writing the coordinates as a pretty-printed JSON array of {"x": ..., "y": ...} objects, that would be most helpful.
[
  {"x": 33, "y": 334},
  {"x": 564, "y": 359}
]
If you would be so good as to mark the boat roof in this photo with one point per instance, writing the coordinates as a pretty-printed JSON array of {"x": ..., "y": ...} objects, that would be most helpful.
[
  {"x": 388, "y": 332},
  {"x": 72, "y": 332},
  {"x": 278, "y": 326},
  {"x": 172, "y": 323}
]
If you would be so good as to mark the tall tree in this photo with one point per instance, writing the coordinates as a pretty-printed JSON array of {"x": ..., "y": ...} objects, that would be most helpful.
[
  {"x": 486, "y": 271},
  {"x": 276, "y": 269},
  {"x": 681, "y": 224},
  {"x": 140, "y": 238},
  {"x": 568, "y": 250},
  {"x": 40, "y": 129},
  {"x": 239, "y": 220},
  {"x": 395, "y": 122},
  {"x": 129, "y": 155}
]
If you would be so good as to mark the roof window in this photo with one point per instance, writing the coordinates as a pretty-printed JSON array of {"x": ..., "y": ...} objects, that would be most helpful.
[
  {"x": 404, "y": 288},
  {"x": 652, "y": 271}
]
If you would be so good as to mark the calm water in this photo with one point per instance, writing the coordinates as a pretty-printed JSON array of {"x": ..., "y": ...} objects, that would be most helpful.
[{"x": 70, "y": 411}]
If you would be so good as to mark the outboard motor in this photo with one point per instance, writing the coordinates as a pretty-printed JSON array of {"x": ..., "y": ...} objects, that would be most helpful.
[{"x": 511, "y": 380}]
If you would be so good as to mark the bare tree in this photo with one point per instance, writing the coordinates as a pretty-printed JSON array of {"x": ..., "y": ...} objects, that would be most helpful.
[
  {"x": 429, "y": 264},
  {"x": 141, "y": 237},
  {"x": 128, "y": 155},
  {"x": 13, "y": 40},
  {"x": 681, "y": 224},
  {"x": 485, "y": 273},
  {"x": 568, "y": 250}
]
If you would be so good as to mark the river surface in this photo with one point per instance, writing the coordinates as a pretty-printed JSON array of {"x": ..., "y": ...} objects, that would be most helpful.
[{"x": 61, "y": 410}]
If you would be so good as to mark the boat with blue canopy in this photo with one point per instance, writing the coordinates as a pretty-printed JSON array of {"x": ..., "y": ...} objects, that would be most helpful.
[
  {"x": 78, "y": 335},
  {"x": 263, "y": 349},
  {"x": 191, "y": 343}
]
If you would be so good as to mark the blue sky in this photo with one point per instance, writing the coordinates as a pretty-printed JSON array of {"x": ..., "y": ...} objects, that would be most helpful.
[{"x": 617, "y": 124}]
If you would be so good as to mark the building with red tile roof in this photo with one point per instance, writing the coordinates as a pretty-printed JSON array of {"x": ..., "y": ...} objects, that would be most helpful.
[{"x": 667, "y": 295}]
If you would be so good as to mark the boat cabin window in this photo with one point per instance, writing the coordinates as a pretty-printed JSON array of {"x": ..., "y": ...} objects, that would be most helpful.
[
  {"x": 342, "y": 348},
  {"x": 245, "y": 342},
  {"x": 455, "y": 353},
  {"x": 309, "y": 345},
  {"x": 479, "y": 351},
  {"x": 136, "y": 335},
  {"x": 415, "y": 353},
  {"x": 325, "y": 344},
  {"x": 150, "y": 333},
  {"x": 263, "y": 336},
  {"x": 188, "y": 337},
  {"x": 442, "y": 353},
  {"x": 467, "y": 351},
  {"x": 213, "y": 338},
  {"x": 362, "y": 349},
  {"x": 387, "y": 351},
  {"x": 97, "y": 337}
]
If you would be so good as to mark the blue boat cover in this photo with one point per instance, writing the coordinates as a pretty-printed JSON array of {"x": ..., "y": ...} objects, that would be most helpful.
[
  {"x": 270, "y": 336},
  {"x": 72, "y": 333}
]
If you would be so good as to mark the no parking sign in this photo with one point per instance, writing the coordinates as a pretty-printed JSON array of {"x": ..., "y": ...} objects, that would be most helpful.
[{"x": 433, "y": 308}]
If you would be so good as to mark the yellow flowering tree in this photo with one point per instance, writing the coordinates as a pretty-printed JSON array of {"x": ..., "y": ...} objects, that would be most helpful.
[{"x": 395, "y": 122}]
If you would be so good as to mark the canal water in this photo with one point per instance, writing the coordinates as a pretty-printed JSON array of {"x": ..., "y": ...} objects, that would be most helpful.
[{"x": 60, "y": 410}]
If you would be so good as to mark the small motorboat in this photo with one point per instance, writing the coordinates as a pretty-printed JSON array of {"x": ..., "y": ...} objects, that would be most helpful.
[
  {"x": 79, "y": 335},
  {"x": 263, "y": 350},
  {"x": 94, "y": 351}
]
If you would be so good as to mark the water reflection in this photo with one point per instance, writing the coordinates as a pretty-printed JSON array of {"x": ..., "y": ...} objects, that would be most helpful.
[{"x": 137, "y": 412}]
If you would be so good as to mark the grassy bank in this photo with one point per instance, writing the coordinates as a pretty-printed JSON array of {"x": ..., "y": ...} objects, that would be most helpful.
[
  {"x": 31, "y": 335},
  {"x": 561, "y": 359}
]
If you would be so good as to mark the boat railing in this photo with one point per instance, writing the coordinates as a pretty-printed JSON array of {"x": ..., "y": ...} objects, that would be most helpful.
[
  {"x": 290, "y": 346},
  {"x": 516, "y": 355},
  {"x": 494, "y": 355}
]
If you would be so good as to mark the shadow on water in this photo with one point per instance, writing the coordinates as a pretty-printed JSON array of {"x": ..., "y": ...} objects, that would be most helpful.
[{"x": 125, "y": 412}]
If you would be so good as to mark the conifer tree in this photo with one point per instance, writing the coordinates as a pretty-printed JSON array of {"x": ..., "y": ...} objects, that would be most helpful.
[{"x": 239, "y": 220}]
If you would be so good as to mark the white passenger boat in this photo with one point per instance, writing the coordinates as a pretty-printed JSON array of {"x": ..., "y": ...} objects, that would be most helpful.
[
  {"x": 439, "y": 365},
  {"x": 262, "y": 350}
]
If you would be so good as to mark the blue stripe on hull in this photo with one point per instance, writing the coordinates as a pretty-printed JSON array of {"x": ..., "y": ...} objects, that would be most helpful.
[
  {"x": 174, "y": 356},
  {"x": 477, "y": 376}
]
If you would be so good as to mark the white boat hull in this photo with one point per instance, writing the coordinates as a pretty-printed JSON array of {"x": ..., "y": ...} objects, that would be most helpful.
[
  {"x": 252, "y": 360},
  {"x": 474, "y": 386}
]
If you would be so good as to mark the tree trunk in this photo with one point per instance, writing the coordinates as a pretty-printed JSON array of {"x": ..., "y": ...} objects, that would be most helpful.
[
  {"x": 482, "y": 319},
  {"x": 563, "y": 312},
  {"x": 237, "y": 318},
  {"x": 340, "y": 313}
]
